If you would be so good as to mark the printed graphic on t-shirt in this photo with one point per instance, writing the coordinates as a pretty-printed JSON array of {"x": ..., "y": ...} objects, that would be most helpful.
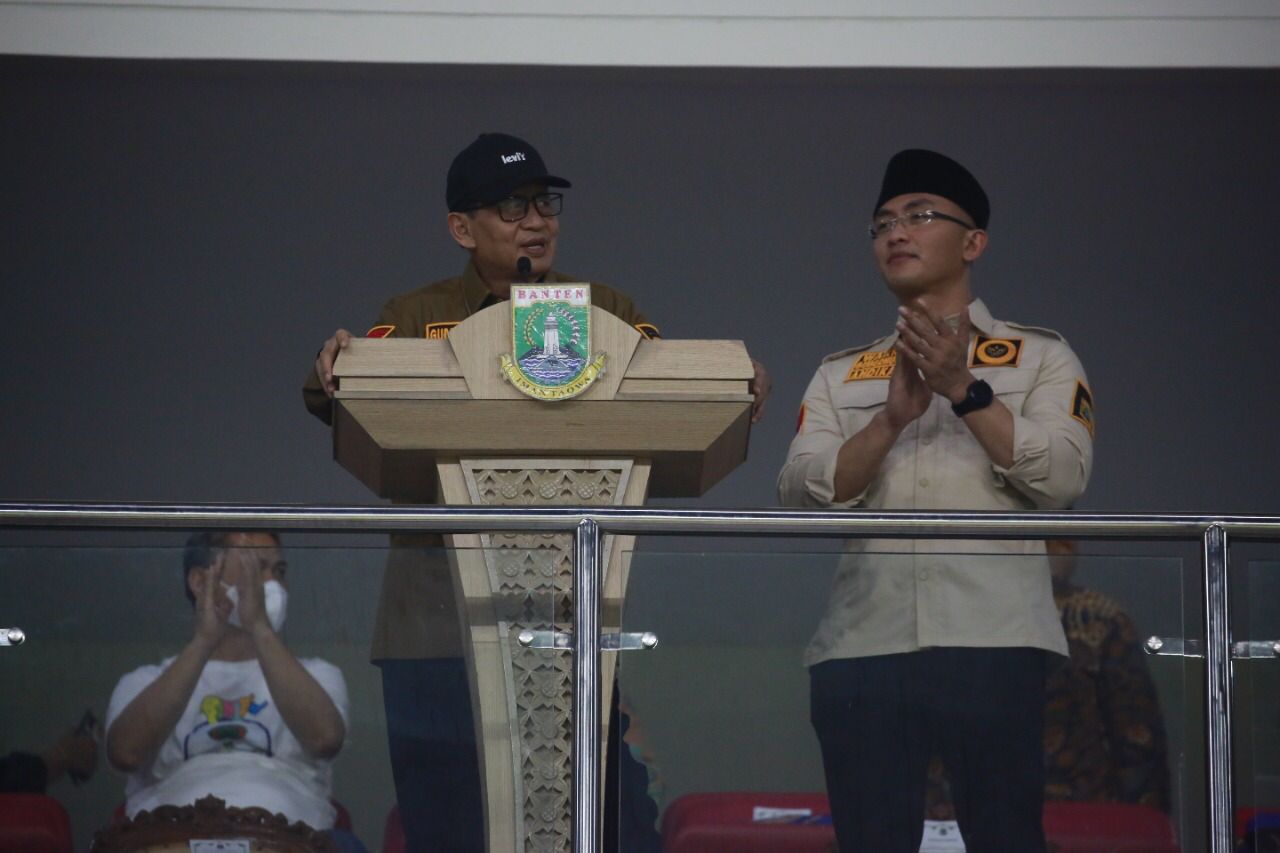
[{"x": 228, "y": 725}]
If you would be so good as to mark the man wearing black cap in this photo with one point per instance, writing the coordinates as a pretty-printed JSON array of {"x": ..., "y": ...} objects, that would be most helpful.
[
  {"x": 932, "y": 647},
  {"x": 503, "y": 211}
]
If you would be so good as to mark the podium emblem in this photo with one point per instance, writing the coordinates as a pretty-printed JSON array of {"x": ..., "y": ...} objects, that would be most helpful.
[{"x": 550, "y": 355}]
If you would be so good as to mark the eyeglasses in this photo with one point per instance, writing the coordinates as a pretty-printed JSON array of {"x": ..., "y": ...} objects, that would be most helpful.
[
  {"x": 514, "y": 208},
  {"x": 910, "y": 221}
]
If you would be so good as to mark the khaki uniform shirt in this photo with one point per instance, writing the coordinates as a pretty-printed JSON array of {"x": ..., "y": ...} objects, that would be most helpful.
[
  {"x": 895, "y": 596},
  {"x": 417, "y": 617}
]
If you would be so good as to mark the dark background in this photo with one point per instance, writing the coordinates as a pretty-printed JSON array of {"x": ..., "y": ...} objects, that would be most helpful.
[{"x": 179, "y": 237}]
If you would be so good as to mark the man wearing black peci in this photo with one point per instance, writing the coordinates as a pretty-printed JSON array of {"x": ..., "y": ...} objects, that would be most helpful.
[{"x": 933, "y": 647}]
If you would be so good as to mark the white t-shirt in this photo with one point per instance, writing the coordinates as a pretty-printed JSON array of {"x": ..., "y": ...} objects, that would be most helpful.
[{"x": 231, "y": 742}]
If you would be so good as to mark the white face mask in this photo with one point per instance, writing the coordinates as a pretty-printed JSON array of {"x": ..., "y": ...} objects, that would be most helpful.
[{"x": 275, "y": 600}]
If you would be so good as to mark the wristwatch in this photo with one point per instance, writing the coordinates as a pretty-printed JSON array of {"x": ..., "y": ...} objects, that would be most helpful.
[{"x": 977, "y": 396}]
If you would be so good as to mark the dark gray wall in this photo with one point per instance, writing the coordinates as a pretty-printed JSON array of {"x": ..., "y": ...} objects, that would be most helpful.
[{"x": 180, "y": 237}]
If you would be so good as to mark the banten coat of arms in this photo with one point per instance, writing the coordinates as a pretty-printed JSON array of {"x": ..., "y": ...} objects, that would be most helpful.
[{"x": 551, "y": 341}]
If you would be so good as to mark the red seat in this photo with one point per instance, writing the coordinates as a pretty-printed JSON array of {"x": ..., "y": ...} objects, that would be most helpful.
[
  {"x": 724, "y": 823},
  {"x": 342, "y": 820},
  {"x": 33, "y": 823},
  {"x": 393, "y": 832},
  {"x": 1246, "y": 815},
  {"x": 1108, "y": 828}
]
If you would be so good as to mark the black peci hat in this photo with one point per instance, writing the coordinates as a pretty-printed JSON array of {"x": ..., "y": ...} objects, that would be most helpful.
[
  {"x": 916, "y": 170},
  {"x": 490, "y": 168}
]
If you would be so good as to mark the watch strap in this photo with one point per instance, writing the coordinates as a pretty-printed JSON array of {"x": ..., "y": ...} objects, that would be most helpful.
[{"x": 977, "y": 396}]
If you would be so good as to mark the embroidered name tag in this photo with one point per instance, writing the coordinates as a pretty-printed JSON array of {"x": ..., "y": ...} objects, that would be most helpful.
[
  {"x": 439, "y": 331},
  {"x": 1082, "y": 406},
  {"x": 872, "y": 365},
  {"x": 996, "y": 352}
]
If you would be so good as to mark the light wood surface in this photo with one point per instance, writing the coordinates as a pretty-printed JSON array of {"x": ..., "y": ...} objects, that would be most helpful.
[
  {"x": 489, "y": 678},
  {"x": 691, "y": 390},
  {"x": 405, "y": 388},
  {"x": 396, "y": 357},
  {"x": 391, "y": 444},
  {"x": 677, "y": 359}
]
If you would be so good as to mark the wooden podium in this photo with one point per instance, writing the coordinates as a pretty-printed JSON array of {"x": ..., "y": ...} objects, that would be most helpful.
[{"x": 434, "y": 421}]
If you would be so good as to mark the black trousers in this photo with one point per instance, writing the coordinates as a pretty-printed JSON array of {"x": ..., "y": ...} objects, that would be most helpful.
[
  {"x": 880, "y": 720},
  {"x": 437, "y": 772}
]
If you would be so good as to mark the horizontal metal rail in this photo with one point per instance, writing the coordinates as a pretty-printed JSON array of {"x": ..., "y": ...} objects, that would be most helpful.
[{"x": 638, "y": 520}]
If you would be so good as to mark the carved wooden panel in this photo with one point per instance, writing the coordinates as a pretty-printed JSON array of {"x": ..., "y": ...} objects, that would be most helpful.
[{"x": 531, "y": 577}]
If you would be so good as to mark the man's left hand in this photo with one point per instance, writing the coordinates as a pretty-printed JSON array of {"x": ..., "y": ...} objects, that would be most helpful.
[
  {"x": 941, "y": 350},
  {"x": 253, "y": 611}
]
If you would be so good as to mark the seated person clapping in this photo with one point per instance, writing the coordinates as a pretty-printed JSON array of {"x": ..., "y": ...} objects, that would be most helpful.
[{"x": 234, "y": 714}]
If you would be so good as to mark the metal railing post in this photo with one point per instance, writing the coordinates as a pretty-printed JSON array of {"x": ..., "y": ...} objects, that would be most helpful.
[
  {"x": 1217, "y": 688},
  {"x": 587, "y": 688}
]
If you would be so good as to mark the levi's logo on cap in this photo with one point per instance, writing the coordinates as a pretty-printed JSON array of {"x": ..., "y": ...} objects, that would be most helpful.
[{"x": 517, "y": 157}]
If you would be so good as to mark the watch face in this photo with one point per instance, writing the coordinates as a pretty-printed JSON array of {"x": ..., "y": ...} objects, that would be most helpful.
[{"x": 978, "y": 396}]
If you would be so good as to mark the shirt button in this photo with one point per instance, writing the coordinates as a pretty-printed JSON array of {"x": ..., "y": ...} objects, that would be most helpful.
[
  {"x": 926, "y": 441},
  {"x": 924, "y": 481},
  {"x": 923, "y": 574}
]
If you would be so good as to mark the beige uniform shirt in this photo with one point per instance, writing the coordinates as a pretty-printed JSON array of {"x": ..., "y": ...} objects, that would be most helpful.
[
  {"x": 895, "y": 596},
  {"x": 417, "y": 616}
]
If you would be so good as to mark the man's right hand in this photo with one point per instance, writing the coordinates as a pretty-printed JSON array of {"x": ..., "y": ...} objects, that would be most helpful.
[
  {"x": 327, "y": 356},
  {"x": 909, "y": 396},
  {"x": 213, "y": 607}
]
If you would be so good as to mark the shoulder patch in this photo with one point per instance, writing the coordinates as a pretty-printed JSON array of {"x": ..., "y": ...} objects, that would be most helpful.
[
  {"x": 649, "y": 330},
  {"x": 380, "y": 331},
  {"x": 872, "y": 365},
  {"x": 996, "y": 352},
  {"x": 1082, "y": 407},
  {"x": 438, "y": 331}
]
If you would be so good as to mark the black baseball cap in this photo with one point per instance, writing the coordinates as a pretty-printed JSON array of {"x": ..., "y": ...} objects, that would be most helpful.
[
  {"x": 917, "y": 170},
  {"x": 491, "y": 168}
]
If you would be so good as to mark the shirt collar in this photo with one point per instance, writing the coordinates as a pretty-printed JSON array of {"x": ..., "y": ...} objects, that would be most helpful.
[
  {"x": 979, "y": 317},
  {"x": 477, "y": 295},
  {"x": 474, "y": 291}
]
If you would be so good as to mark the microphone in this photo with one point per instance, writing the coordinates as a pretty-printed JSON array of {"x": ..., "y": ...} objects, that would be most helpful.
[{"x": 524, "y": 268}]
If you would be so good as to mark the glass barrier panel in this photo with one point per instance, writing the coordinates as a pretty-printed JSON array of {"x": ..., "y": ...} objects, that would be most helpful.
[
  {"x": 758, "y": 650},
  {"x": 1255, "y": 593},
  {"x": 104, "y": 620}
]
